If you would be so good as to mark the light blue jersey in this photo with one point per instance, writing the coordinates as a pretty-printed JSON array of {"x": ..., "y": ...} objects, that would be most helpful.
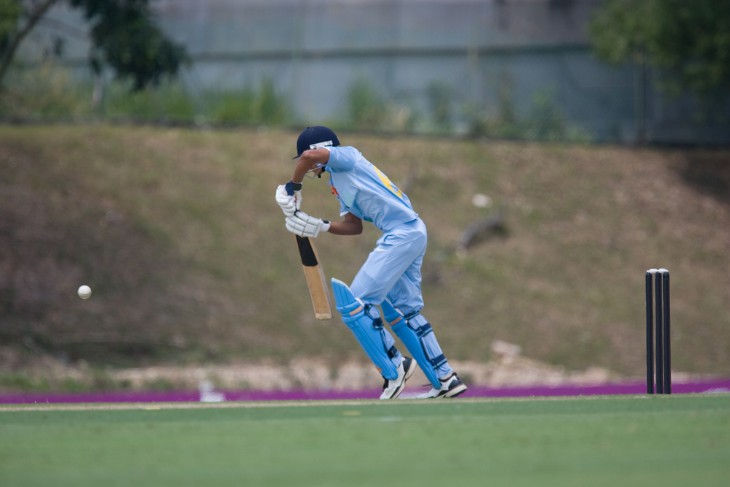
[
  {"x": 393, "y": 268},
  {"x": 366, "y": 192}
]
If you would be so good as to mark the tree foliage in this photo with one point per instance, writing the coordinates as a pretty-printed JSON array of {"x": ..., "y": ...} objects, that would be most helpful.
[
  {"x": 10, "y": 11},
  {"x": 687, "y": 40},
  {"x": 124, "y": 33}
]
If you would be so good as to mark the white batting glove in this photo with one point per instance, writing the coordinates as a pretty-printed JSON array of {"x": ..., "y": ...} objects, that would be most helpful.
[
  {"x": 289, "y": 203},
  {"x": 306, "y": 226}
]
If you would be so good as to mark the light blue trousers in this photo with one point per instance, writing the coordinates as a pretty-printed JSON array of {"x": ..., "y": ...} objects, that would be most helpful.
[{"x": 393, "y": 269}]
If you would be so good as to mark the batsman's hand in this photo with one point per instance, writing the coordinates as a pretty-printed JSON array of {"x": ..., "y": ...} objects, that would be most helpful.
[
  {"x": 306, "y": 226},
  {"x": 289, "y": 204}
]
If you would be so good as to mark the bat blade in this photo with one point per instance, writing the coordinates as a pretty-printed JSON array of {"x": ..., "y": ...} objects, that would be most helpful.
[{"x": 314, "y": 275}]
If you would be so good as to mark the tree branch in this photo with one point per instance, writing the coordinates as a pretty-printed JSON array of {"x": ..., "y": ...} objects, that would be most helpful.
[{"x": 33, "y": 19}]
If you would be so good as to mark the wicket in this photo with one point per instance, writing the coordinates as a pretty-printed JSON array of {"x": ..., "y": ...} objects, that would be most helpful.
[{"x": 658, "y": 349}]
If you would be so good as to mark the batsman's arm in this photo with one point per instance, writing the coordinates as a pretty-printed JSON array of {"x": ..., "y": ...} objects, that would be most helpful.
[
  {"x": 349, "y": 225},
  {"x": 308, "y": 161}
]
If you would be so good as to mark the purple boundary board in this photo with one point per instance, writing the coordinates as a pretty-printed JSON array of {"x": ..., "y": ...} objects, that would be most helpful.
[{"x": 629, "y": 388}]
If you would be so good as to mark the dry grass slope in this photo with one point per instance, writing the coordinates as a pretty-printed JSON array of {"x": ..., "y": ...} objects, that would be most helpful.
[{"x": 178, "y": 234}]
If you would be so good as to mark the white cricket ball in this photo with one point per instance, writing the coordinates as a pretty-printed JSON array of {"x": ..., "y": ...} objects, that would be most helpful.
[
  {"x": 84, "y": 292},
  {"x": 481, "y": 200}
]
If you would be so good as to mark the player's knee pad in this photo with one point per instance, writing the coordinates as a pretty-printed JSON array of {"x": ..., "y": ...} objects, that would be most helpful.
[
  {"x": 378, "y": 344},
  {"x": 417, "y": 335}
]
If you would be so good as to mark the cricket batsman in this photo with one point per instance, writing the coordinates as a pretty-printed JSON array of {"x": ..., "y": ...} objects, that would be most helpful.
[{"x": 390, "y": 278}]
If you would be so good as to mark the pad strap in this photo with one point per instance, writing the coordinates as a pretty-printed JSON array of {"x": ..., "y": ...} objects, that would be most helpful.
[
  {"x": 423, "y": 331},
  {"x": 378, "y": 325}
]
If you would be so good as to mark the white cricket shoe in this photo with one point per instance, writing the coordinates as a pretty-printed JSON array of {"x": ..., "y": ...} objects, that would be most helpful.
[
  {"x": 393, "y": 388},
  {"x": 451, "y": 386}
]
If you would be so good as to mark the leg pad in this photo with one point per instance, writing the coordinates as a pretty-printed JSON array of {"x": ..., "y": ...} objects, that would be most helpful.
[
  {"x": 417, "y": 335},
  {"x": 378, "y": 344}
]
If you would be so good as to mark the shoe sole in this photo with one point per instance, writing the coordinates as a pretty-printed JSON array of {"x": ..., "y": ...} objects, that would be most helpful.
[
  {"x": 458, "y": 389},
  {"x": 455, "y": 391}
]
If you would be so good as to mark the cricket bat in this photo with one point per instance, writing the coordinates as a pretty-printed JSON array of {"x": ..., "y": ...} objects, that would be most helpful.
[{"x": 314, "y": 275}]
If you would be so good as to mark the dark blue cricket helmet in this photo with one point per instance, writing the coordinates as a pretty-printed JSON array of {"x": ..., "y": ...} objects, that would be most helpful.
[{"x": 317, "y": 136}]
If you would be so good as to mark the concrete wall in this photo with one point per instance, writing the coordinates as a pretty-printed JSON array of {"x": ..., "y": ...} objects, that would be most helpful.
[{"x": 483, "y": 51}]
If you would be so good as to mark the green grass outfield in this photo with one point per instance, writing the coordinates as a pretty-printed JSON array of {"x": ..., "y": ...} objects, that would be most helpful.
[{"x": 618, "y": 441}]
